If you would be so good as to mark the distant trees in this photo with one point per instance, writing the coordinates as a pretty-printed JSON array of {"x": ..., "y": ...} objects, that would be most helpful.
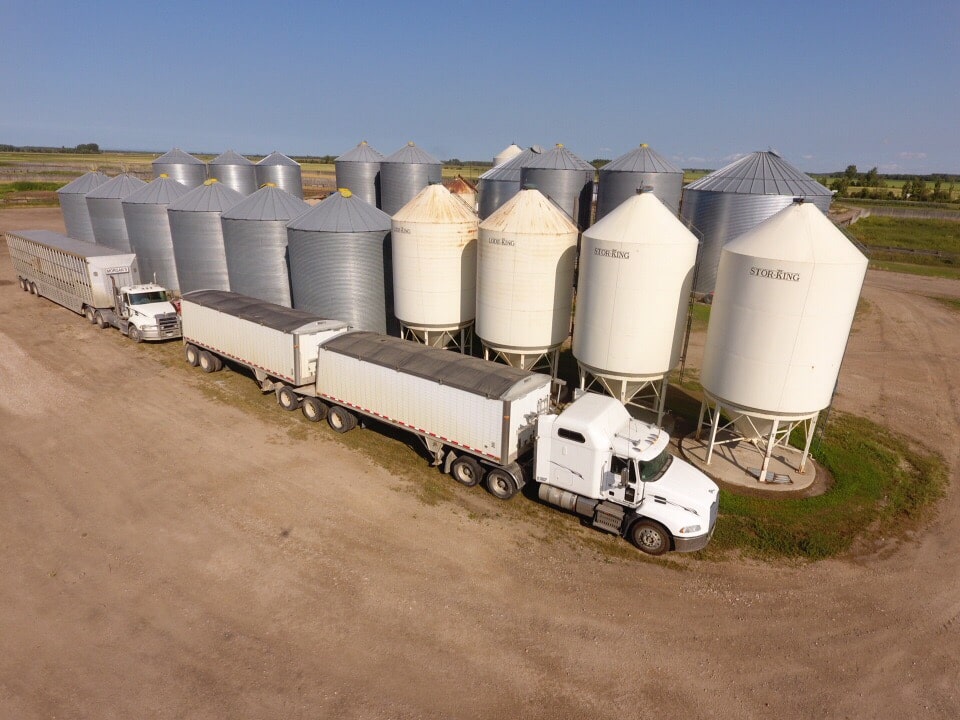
[
  {"x": 84, "y": 148},
  {"x": 874, "y": 186}
]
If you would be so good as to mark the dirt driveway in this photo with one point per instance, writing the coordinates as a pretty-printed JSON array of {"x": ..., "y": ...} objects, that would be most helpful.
[{"x": 169, "y": 554}]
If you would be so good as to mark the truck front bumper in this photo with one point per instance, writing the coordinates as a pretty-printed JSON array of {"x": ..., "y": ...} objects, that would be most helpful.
[{"x": 692, "y": 544}]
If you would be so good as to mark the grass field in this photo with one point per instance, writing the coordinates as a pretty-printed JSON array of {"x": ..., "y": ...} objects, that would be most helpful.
[{"x": 910, "y": 233}]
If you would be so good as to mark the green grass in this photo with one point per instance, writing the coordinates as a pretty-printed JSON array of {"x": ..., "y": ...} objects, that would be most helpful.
[
  {"x": 26, "y": 186},
  {"x": 942, "y": 271},
  {"x": 884, "y": 487},
  {"x": 952, "y": 303},
  {"x": 910, "y": 233}
]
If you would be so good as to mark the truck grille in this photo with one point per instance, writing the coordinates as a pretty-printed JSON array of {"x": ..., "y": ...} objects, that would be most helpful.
[{"x": 169, "y": 325}]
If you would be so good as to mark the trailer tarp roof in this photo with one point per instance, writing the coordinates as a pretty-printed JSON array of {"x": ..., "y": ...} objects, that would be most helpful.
[
  {"x": 261, "y": 312},
  {"x": 446, "y": 367}
]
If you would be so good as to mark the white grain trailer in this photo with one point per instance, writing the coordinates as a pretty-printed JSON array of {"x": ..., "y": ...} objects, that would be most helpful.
[
  {"x": 465, "y": 409},
  {"x": 279, "y": 344}
]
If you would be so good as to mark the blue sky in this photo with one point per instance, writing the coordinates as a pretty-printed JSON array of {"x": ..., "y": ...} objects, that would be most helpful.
[{"x": 826, "y": 84}]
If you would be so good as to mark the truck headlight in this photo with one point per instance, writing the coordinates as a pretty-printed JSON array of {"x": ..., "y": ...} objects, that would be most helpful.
[{"x": 689, "y": 529}]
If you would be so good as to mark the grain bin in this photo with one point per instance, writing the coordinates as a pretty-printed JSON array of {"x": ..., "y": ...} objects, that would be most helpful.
[
  {"x": 104, "y": 203},
  {"x": 636, "y": 273},
  {"x": 73, "y": 204},
  {"x": 282, "y": 171},
  {"x": 736, "y": 198},
  {"x": 405, "y": 173},
  {"x": 564, "y": 178},
  {"x": 501, "y": 183},
  {"x": 148, "y": 227},
  {"x": 255, "y": 243},
  {"x": 340, "y": 268},
  {"x": 783, "y": 308},
  {"x": 358, "y": 170},
  {"x": 435, "y": 269},
  {"x": 234, "y": 171},
  {"x": 198, "y": 236},
  {"x": 182, "y": 167},
  {"x": 508, "y": 153},
  {"x": 642, "y": 167},
  {"x": 463, "y": 189},
  {"x": 525, "y": 258}
]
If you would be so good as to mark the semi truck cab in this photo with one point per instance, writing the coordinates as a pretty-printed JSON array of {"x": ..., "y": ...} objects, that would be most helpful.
[
  {"x": 144, "y": 312},
  {"x": 596, "y": 460}
]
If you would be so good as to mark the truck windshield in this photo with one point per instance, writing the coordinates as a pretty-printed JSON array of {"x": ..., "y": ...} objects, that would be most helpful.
[
  {"x": 145, "y": 298},
  {"x": 651, "y": 470}
]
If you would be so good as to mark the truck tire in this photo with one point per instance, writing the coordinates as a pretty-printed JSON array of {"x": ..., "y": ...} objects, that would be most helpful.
[
  {"x": 23, "y": 285},
  {"x": 288, "y": 399},
  {"x": 191, "y": 354},
  {"x": 341, "y": 420},
  {"x": 312, "y": 409},
  {"x": 650, "y": 537},
  {"x": 100, "y": 321},
  {"x": 208, "y": 362},
  {"x": 33, "y": 289},
  {"x": 501, "y": 484},
  {"x": 89, "y": 315},
  {"x": 133, "y": 332},
  {"x": 466, "y": 470}
]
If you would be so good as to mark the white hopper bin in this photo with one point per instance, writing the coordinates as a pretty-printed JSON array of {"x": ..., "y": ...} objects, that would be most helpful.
[
  {"x": 782, "y": 312},
  {"x": 636, "y": 274}
]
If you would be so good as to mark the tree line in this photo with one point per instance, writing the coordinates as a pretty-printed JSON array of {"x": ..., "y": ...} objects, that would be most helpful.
[
  {"x": 937, "y": 187},
  {"x": 83, "y": 148}
]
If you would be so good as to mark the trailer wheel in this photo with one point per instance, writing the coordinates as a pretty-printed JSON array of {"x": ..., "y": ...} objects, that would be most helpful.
[
  {"x": 191, "y": 354},
  {"x": 133, "y": 332},
  {"x": 33, "y": 289},
  {"x": 466, "y": 470},
  {"x": 23, "y": 285},
  {"x": 650, "y": 537},
  {"x": 89, "y": 315},
  {"x": 208, "y": 361},
  {"x": 99, "y": 320},
  {"x": 312, "y": 409},
  {"x": 288, "y": 399},
  {"x": 341, "y": 420},
  {"x": 501, "y": 484}
]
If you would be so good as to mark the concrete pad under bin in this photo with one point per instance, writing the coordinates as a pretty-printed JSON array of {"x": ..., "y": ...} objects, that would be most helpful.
[{"x": 732, "y": 464}]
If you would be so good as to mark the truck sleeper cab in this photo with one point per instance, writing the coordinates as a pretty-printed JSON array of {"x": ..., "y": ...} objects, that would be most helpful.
[{"x": 597, "y": 461}]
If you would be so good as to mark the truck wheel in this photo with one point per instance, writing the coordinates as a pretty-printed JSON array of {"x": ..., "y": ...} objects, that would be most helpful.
[
  {"x": 207, "y": 361},
  {"x": 650, "y": 537},
  {"x": 33, "y": 289},
  {"x": 288, "y": 399},
  {"x": 99, "y": 320},
  {"x": 466, "y": 470},
  {"x": 341, "y": 420},
  {"x": 89, "y": 315},
  {"x": 501, "y": 484},
  {"x": 312, "y": 409},
  {"x": 133, "y": 332},
  {"x": 191, "y": 354},
  {"x": 23, "y": 285}
]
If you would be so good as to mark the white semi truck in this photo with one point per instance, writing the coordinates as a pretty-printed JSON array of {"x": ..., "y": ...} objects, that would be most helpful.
[
  {"x": 479, "y": 420},
  {"x": 97, "y": 282}
]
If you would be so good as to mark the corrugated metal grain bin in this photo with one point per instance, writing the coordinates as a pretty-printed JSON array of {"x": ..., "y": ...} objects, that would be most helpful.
[
  {"x": 640, "y": 168},
  {"x": 282, "y": 171},
  {"x": 234, "y": 171},
  {"x": 182, "y": 167},
  {"x": 198, "y": 236},
  {"x": 564, "y": 178},
  {"x": 734, "y": 199},
  {"x": 255, "y": 243},
  {"x": 405, "y": 173},
  {"x": 73, "y": 204},
  {"x": 502, "y": 182},
  {"x": 104, "y": 203},
  {"x": 340, "y": 263},
  {"x": 359, "y": 172},
  {"x": 148, "y": 226}
]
